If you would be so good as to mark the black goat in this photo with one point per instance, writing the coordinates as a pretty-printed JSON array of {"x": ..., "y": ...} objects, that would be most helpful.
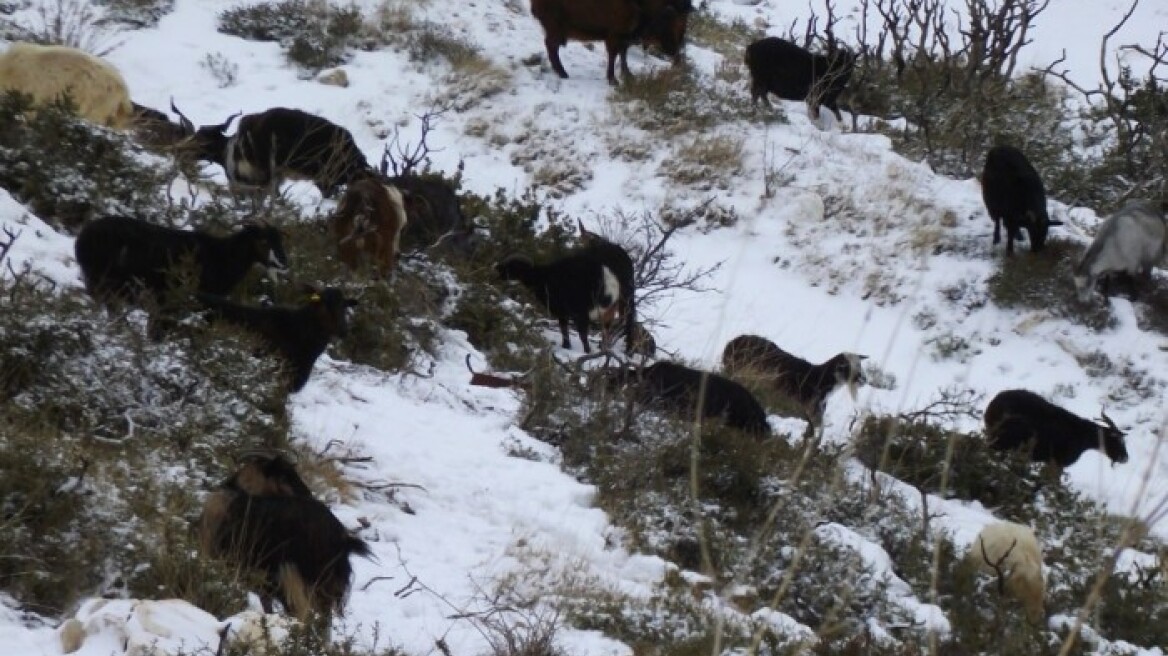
[
  {"x": 435, "y": 215},
  {"x": 1020, "y": 420},
  {"x": 1014, "y": 194},
  {"x": 265, "y": 518},
  {"x": 299, "y": 334},
  {"x": 277, "y": 144},
  {"x": 571, "y": 288},
  {"x": 679, "y": 388},
  {"x": 806, "y": 385},
  {"x": 122, "y": 258},
  {"x": 793, "y": 73},
  {"x": 617, "y": 259}
]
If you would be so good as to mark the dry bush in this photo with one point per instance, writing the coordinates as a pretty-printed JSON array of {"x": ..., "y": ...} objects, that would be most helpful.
[
  {"x": 706, "y": 162},
  {"x": 73, "y": 23}
]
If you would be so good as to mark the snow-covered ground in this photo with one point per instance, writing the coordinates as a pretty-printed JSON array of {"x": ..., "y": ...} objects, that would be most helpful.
[{"x": 790, "y": 272}]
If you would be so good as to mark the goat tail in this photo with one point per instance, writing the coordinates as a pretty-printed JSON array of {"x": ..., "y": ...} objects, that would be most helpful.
[
  {"x": 296, "y": 594},
  {"x": 355, "y": 545}
]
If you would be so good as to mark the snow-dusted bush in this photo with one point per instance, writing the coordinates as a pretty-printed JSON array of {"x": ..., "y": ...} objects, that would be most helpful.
[
  {"x": 69, "y": 171},
  {"x": 107, "y": 440},
  {"x": 315, "y": 35},
  {"x": 135, "y": 13}
]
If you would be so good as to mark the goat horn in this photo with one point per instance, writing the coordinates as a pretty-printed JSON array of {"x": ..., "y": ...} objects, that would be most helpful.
[
  {"x": 468, "y": 367},
  {"x": 185, "y": 122},
  {"x": 1107, "y": 420},
  {"x": 222, "y": 127}
]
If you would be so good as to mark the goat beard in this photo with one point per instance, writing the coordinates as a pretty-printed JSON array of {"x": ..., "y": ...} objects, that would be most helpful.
[{"x": 853, "y": 390}]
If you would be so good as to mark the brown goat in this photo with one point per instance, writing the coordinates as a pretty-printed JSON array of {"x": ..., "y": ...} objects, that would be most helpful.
[
  {"x": 368, "y": 225},
  {"x": 619, "y": 23},
  {"x": 265, "y": 518}
]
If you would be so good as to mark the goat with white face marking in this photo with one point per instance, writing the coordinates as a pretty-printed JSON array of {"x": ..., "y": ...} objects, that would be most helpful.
[
  {"x": 807, "y": 385},
  {"x": 1131, "y": 241},
  {"x": 571, "y": 288},
  {"x": 368, "y": 224},
  {"x": 617, "y": 260},
  {"x": 280, "y": 144}
]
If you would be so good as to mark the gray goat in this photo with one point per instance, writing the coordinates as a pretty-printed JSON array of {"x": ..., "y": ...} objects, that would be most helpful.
[{"x": 1132, "y": 240}]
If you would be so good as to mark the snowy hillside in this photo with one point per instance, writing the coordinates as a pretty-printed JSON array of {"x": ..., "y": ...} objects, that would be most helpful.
[{"x": 857, "y": 249}]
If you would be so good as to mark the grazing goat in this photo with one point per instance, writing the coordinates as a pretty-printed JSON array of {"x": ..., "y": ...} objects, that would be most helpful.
[
  {"x": 805, "y": 384},
  {"x": 1014, "y": 194},
  {"x": 617, "y": 260},
  {"x": 121, "y": 258},
  {"x": 48, "y": 72},
  {"x": 792, "y": 73},
  {"x": 154, "y": 128},
  {"x": 299, "y": 334},
  {"x": 619, "y": 23},
  {"x": 1131, "y": 241},
  {"x": 264, "y": 518},
  {"x": 435, "y": 215},
  {"x": 679, "y": 388},
  {"x": 1020, "y": 420},
  {"x": 368, "y": 223},
  {"x": 279, "y": 144},
  {"x": 1012, "y": 552},
  {"x": 571, "y": 288}
]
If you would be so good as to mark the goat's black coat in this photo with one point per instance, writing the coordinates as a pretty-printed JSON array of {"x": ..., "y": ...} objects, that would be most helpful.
[
  {"x": 570, "y": 288},
  {"x": 677, "y": 387},
  {"x": 278, "y": 143},
  {"x": 268, "y": 532},
  {"x": 435, "y": 214},
  {"x": 122, "y": 257},
  {"x": 790, "y": 72},
  {"x": 806, "y": 384},
  {"x": 1020, "y": 420},
  {"x": 1014, "y": 194},
  {"x": 620, "y": 264},
  {"x": 299, "y": 334}
]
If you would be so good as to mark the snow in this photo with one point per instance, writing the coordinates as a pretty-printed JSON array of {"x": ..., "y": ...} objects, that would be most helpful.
[{"x": 466, "y": 514}]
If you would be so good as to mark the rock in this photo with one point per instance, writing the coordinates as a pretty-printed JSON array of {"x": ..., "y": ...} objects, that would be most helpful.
[{"x": 336, "y": 77}]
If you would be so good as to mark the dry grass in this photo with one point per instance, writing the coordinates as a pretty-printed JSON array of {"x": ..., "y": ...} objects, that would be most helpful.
[{"x": 705, "y": 163}]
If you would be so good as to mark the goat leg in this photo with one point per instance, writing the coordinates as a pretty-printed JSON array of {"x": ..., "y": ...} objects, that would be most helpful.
[
  {"x": 565, "y": 342},
  {"x": 581, "y": 322}
]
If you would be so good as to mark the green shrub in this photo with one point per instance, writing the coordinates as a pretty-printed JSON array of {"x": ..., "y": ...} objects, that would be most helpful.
[
  {"x": 925, "y": 456},
  {"x": 69, "y": 171},
  {"x": 136, "y": 14},
  {"x": 314, "y": 35},
  {"x": 136, "y": 431}
]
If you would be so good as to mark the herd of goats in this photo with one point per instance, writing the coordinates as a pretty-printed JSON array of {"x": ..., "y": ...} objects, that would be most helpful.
[{"x": 264, "y": 516}]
